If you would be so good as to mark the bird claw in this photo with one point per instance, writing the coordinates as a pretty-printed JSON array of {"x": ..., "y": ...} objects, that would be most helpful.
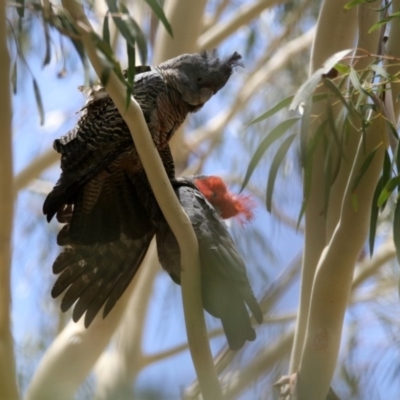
[{"x": 287, "y": 387}]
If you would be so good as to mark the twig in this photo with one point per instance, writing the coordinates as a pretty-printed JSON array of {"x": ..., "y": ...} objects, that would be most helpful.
[{"x": 222, "y": 30}]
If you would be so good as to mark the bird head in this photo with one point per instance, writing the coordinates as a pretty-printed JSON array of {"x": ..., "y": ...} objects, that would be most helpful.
[
  {"x": 226, "y": 203},
  {"x": 197, "y": 77}
]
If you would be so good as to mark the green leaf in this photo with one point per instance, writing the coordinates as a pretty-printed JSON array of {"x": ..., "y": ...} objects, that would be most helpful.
[
  {"x": 384, "y": 21},
  {"x": 277, "y": 107},
  {"x": 335, "y": 90},
  {"x": 14, "y": 77},
  {"x": 137, "y": 34},
  {"x": 281, "y": 105},
  {"x": 396, "y": 229},
  {"x": 307, "y": 88},
  {"x": 386, "y": 174},
  {"x": 20, "y": 8},
  {"x": 364, "y": 167},
  {"x": 276, "y": 162},
  {"x": 47, "y": 56},
  {"x": 157, "y": 9},
  {"x": 354, "y": 3},
  {"x": 374, "y": 216},
  {"x": 38, "y": 99},
  {"x": 130, "y": 73},
  {"x": 129, "y": 29},
  {"x": 275, "y": 134},
  {"x": 392, "y": 184},
  {"x": 356, "y": 82},
  {"x": 106, "y": 30},
  {"x": 380, "y": 71},
  {"x": 398, "y": 158},
  {"x": 343, "y": 69},
  {"x": 305, "y": 131}
]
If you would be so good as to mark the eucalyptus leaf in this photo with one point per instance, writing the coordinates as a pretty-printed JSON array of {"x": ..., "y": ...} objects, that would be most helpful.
[
  {"x": 39, "y": 102},
  {"x": 275, "y": 134},
  {"x": 276, "y": 163},
  {"x": 307, "y": 88},
  {"x": 157, "y": 9}
]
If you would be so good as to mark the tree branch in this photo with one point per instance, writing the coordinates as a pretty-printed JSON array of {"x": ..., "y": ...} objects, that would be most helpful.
[
  {"x": 335, "y": 32},
  {"x": 218, "y": 32},
  {"x": 171, "y": 208},
  {"x": 8, "y": 381}
]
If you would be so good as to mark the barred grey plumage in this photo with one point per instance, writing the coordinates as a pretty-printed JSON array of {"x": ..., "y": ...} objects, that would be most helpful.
[
  {"x": 103, "y": 195},
  {"x": 98, "y": 157}
]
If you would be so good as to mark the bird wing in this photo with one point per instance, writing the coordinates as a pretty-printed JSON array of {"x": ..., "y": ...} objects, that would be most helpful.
[
  {"x": 96, "y": 276},
  {"x": 99, "y": 144},
  {"x": 98, "y": 162}
]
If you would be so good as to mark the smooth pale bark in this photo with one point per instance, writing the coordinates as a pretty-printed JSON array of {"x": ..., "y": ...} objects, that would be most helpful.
[
  {"x": 117, "y": 368},
  {"x": 335, "y": 32},
  {"x": 393, "y": 49},
  {"x": 8, "y": 383},
  {"x": 71, "y": 356},
  {"x": 334, "y": 274},
  {"x": 34, "y": 169}
]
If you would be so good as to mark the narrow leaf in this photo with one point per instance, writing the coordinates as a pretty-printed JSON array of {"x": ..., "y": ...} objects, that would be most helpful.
[
  {"x": 392, "y": 184},
  {"x": 129, "y": 29},
  {"x": 384, "y": 21},
  {"x": 275, "y": 134},
  {"x": 20, "y": 8},
  {"x": 364, "y": 168},
  {"x": 380, "y": 71},
  {"x": 38, "y": 99},
  {"x": 47, "y": 56},
  {"x": 157, "y": 9},
  {"x": 307, "y": 88},
  {"x": 354, "y": 3},
  {"x": 106, "y": 30},
  {"x": 386, "y": 174},
  {"x": 130, "y": 73},
  {"x": 335, "y": 90},
  {"x": 14, "y": 77},
  {"x": 276, "y": 162},
  {"x": 398, "y": 158},
  {"x": 277, "y": 107},
  {"x": 374, "y": 216},
  {"x": 356, "y": 82},
  {"x": 396, "y": 229}
]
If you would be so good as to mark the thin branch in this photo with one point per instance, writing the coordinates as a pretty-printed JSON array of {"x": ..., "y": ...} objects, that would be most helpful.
[
  {"x": 126, "y": 357},
  {"x": 171, "y": 208},
  {"x": 330, "y": 37},
  {"x": 34, "y": 169},
  {"x": 218, "y": 32},
  {"x": 220, "y": 9},
  {"x": 263, "y": 362},
  {"x": 79, "y": 347},
  {"x": 368, "y": 268}
]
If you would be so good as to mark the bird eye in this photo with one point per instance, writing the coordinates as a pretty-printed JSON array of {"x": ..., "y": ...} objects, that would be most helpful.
[{"x": 199, "y": 79}]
